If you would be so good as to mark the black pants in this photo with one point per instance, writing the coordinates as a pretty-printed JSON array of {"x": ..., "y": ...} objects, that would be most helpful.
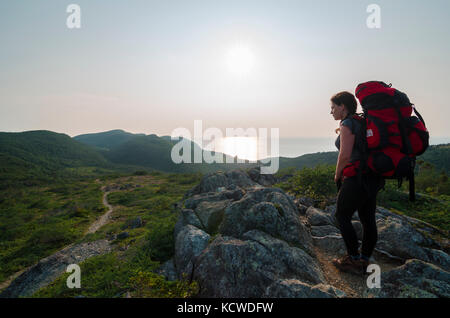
[{"x": 354, "y": 196}]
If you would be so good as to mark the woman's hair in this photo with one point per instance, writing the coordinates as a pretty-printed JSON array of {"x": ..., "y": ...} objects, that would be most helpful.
[{"x": 347, "y": 99}]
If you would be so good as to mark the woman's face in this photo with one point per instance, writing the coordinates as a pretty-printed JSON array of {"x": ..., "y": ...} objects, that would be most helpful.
[{"x": 338, "y": 111}]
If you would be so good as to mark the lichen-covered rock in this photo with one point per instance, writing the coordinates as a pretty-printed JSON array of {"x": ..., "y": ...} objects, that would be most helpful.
[
  {"x": 246, "y": 267},
  {"x": 265, "y": 243},
  {"x": 190, "y": 242},
  {"x": 51, "y": 267},
  {"x": 332, "y": 244},
  {"x": 398, "y": 237},
  {"x": 211, "y": 214},
  {"x": 324, "y": 230},
  {"x": 167, "y": 269},
  {"x": 264, "y": 179},
  {"x": 293, "y": 288},
  {"x": 317, "y": 217},
  {"x": 211, "y": 182},
  {"x": 187, "y": 216},
  {"x": 415, "y": 279},
  {"x": 269, "y": 210}
]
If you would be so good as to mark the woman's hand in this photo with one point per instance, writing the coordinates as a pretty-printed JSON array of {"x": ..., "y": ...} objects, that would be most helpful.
[
  {"x": 345, "y": 152},
  {"x": 337, "y": 177}
]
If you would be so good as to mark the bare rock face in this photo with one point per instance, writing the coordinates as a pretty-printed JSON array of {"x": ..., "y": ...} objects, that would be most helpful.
[
  {"x": 215, "y": 180},
  {"x": 317, "y": 217},
  {"x": 246, "y": 267},
  {"x": 269, "y": 210},
  {"x": 190, "y": 242},
  {"x": 293, "y": 288},
  {"x": 414, "y": 279},
  {"x": 51, "y": 267},
  {"x": 266, "y": 180}
]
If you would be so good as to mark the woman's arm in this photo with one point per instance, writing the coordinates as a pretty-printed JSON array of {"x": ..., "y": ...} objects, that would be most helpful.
[{"x": 345, "y": 152}]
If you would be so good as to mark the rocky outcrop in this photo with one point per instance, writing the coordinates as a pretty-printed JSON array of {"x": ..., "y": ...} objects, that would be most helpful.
[
  {"x": 51, "y": 267},
  {"x": 415, "y": 279},
  {"x": 239, "y": 237}
]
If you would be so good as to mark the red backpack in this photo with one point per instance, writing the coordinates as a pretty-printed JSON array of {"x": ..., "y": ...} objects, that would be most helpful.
[{"x": 394, "y": 137}]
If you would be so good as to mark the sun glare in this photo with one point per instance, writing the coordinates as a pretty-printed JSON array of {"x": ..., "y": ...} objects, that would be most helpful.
[
  {"x": 240, "y": 60},
  {"x": 242, "y": 147}
]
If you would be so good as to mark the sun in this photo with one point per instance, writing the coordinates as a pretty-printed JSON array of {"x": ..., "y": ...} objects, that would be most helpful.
[
  {"x": 242, "y": 147},
  {"x": 240, "y": 60}
]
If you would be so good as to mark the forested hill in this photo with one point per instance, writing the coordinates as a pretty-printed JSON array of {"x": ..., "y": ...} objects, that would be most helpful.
[{"x": 45, "y": 154}]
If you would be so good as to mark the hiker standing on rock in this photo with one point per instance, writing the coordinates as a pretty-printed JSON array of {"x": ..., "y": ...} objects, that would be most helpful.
[{"x": 357, "y": 189}]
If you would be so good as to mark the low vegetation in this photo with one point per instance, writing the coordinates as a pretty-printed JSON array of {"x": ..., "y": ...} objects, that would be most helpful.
[{"x": 432, "y": 188}]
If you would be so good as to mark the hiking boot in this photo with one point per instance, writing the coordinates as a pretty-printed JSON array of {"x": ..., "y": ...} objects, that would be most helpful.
[{"x": 348, "y": 264}]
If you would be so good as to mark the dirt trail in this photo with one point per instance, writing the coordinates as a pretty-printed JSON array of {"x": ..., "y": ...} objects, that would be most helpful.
[
  {"x": 68, "y": 252},
  {"x": 104, "y": 218},
  {"x": 353, "y": 285}
]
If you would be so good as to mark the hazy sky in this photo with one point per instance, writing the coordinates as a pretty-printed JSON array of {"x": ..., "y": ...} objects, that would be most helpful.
[{"x": 153, "y": 66}]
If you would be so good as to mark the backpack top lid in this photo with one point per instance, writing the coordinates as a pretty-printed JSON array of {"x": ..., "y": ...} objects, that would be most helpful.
[
  {"x": 373, "y": 87},
  {"x": 378, "y": 95}
]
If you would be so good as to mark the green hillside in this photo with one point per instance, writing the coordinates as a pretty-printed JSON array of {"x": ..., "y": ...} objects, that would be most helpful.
[
  {"x": 146, "y": 151},
  {"x": 107, "y": 139},
  {"x": 438, "y": 156},
  {"x": 40, "y": 154}
]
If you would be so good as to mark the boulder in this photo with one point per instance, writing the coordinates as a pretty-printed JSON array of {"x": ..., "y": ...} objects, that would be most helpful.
[
  {"x": 398, "y": 237},
  {"x": 263, "y": 179},
  {"x": 211, "y": 182},
  {"x": 293, "y": 288},
  {"x": 317, "y": 217},
  {"x": 269, "y": 210},
  {"x": 331, "y": 244},
  {"x": 324, "y": 230},
  {"x": 246, "y": 267},
  {"x": 190, "y": 242},
  {"x": 167, "y": 269},
  {"x": 187, "y": 216},
  {"x": 414, "y": 279},
  {"x": 211, "y": 214}
]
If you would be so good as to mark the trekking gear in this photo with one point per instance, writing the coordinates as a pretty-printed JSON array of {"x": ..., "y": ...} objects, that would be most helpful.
[
  {"x": 348, "y": 264},
  {"x": 394, "y": 137}
]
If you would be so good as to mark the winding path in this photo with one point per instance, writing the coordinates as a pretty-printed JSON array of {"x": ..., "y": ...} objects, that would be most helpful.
[
  {"x": 104, "y": 218},
  {"x": 27, "y": 281}
]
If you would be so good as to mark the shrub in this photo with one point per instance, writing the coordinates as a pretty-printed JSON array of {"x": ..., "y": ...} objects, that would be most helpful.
[
  {"x": 160, "y": 239},
  {"x": 147, "y": 284},
  {"x": 317, "y": 183}
]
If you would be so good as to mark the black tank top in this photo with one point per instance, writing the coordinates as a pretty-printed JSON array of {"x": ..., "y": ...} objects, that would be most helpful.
[{"x": 355, "y": 128}]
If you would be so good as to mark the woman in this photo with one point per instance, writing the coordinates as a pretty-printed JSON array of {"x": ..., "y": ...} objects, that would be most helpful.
[{"x": 354, "y": 193}]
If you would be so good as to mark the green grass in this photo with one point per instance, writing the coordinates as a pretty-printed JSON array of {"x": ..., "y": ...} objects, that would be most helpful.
[
  {"x": 431, "y": 209},
  {"x": 36, "y": 221},
  {"x": 115, "y": 274},
  {"x": 129, "y": 268}
]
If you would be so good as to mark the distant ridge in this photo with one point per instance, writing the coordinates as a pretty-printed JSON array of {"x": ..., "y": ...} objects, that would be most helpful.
[
  {"x": 43, "y": 154},
  {"x": 106, "y": 140}
]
